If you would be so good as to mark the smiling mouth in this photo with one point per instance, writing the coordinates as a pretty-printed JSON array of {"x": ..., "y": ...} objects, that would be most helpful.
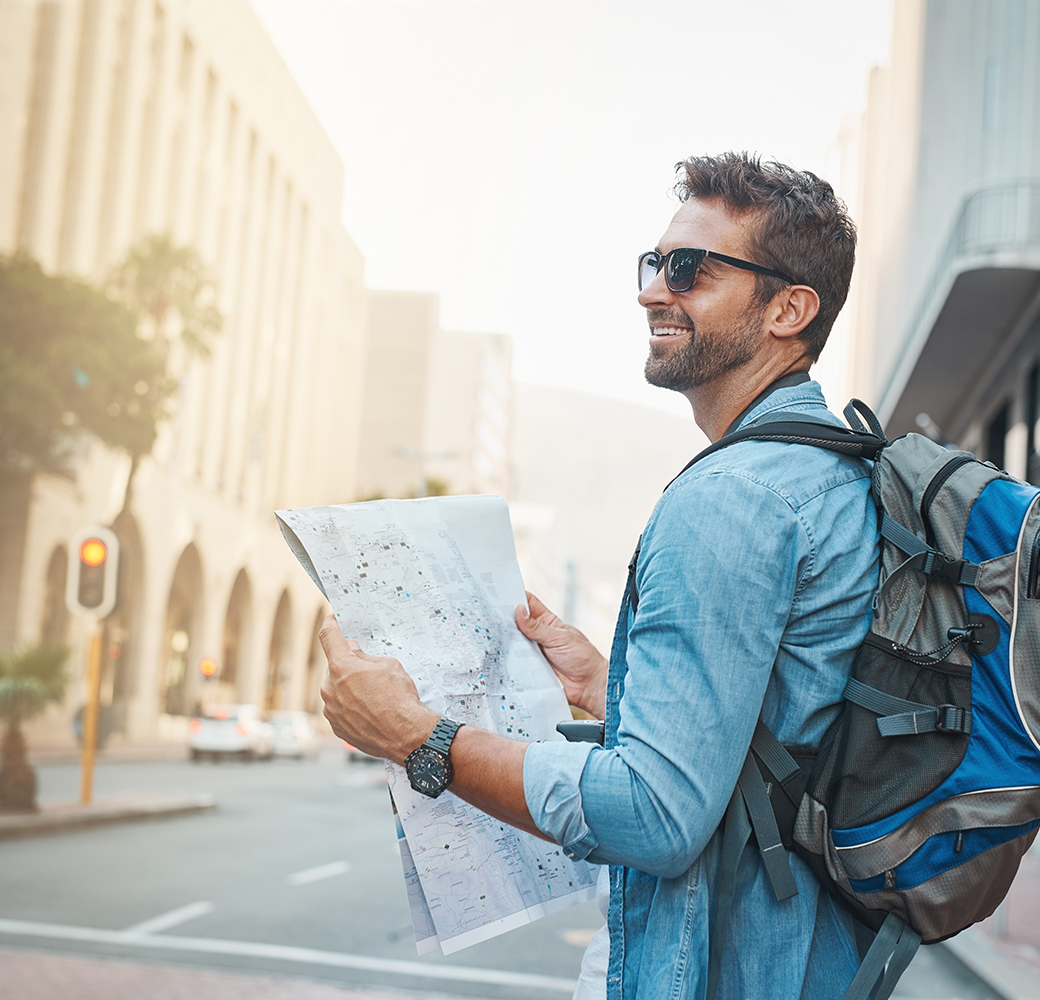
[{"x": 669, "y": 331}]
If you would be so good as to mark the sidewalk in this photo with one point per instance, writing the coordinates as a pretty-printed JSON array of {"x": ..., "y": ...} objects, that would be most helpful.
[
  {"x": 1004, "y": 950},
  {"x": 61, "y": 817},
  {"x": 36, "y": 976},
  {"x": 114, "y": 751}
]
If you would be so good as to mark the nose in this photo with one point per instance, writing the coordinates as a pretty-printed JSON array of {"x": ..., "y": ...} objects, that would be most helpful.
[{"x": 657, "y": 293}]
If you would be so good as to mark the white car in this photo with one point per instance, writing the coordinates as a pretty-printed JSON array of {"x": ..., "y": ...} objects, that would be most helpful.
[
  {"x": 294, "y": 735},
  {"x": 230, "y": 731}
]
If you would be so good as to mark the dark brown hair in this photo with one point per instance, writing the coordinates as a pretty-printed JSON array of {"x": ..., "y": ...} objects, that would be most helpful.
[{"x": 803, "y": 228}]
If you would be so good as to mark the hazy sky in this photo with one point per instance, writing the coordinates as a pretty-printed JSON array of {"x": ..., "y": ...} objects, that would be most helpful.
[{"x": 516, "y": 156}]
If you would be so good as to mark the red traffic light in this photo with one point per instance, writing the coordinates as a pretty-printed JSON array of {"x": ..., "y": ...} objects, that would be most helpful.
[
  {"x": 93, "y": 578},
  {"x": 93, "y": 552}
]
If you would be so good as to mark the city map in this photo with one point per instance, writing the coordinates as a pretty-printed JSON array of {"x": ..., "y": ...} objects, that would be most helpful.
[{"x": 434, "y": 582}]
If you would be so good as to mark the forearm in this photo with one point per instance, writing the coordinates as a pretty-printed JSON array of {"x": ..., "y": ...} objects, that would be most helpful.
[
  {"x": 593, "y": 699},
  {"x": 489, "y": 774}
]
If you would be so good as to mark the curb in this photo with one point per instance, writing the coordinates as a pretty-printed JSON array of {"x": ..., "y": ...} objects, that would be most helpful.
[
  {"x": 62, "y": 817},
  {"x": 1012, "y": 972}
]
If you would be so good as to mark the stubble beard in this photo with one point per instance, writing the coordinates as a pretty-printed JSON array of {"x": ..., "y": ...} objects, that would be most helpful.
[{"x": 703, "y": 360}]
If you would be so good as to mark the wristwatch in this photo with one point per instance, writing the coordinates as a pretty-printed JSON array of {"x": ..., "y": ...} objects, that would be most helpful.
[{"x": 429, "y": 767}]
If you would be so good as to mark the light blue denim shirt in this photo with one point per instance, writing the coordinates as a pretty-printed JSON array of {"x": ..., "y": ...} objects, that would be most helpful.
[{"x": 755, "y": 577}]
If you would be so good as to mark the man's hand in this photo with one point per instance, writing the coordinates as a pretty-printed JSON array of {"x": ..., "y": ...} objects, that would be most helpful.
[
  {"x": 370, "y": 701},
  {"x": 580, "y": 666}
]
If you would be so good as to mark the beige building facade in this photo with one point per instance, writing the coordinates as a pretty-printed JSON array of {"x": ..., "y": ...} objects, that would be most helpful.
[
  {"x": 946, "y": 300},
  {"x": 120, "y": 118},
  {"x": 438, "y": 405}
]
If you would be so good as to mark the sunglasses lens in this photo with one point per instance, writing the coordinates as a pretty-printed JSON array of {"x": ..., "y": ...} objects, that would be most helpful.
[
  {"x": 649, "y": 266},
  {"x": 682, "y": 269}
]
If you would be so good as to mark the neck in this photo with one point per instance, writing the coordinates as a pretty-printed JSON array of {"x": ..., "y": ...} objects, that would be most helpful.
[{"x": 717, "y": 404}]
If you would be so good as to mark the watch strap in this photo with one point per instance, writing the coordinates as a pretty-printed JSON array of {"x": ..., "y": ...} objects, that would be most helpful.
[{"x": 443, "y": 734}]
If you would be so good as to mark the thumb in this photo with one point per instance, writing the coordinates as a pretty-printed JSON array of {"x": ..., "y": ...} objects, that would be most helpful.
[{"x": 527, "y": 623}]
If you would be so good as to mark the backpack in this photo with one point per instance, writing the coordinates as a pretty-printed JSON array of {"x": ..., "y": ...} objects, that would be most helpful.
[{"x": 925, "y": 791}]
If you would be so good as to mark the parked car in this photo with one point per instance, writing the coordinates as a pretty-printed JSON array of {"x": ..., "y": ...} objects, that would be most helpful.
[
  {"x": 294, "y": 735},
  {"x": 230, "y": 731},
  {"x": 353, "y": 754}
]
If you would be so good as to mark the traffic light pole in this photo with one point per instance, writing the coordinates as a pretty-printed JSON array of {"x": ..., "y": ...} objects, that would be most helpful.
[{"x": 90, "y": 716}]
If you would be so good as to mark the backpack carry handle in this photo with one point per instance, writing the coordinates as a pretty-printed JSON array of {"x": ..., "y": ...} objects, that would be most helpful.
[{"x": 853, "y": 408}]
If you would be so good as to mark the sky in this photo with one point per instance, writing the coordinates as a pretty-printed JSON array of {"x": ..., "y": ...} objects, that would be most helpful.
[{"x": 516, "y": 156}]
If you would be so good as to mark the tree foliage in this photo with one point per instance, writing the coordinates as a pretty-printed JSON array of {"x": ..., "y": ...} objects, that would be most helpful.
[
  {"x": 71, "y": 360},
  {"x": 170, "y": 288},
  {"x": 30, "y": 679}
]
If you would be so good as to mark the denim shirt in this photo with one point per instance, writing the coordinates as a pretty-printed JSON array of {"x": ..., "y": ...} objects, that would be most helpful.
[{"x": 755, "y": 577}]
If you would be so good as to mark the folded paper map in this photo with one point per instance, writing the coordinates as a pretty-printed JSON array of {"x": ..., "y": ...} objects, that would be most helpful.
[{"x": 434, "y": 582}]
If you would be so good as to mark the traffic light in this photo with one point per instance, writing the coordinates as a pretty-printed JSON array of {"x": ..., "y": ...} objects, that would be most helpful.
[{"x": 93, "y": 572}]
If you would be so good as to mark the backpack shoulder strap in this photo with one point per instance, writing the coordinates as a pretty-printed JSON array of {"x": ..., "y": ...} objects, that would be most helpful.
[{"x": 800, "y": 428}]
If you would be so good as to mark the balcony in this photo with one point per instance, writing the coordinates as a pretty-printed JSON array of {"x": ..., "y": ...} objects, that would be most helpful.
[{"x": 979, "y": 306}]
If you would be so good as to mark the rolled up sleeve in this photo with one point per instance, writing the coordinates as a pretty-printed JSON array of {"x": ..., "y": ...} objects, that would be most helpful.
[
  {"x": 552, "y": 786},
  {"x": 723, "y": 556}
]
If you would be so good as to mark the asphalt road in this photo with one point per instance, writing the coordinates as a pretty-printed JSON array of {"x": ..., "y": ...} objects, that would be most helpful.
[{"x": 296, "y": 856}]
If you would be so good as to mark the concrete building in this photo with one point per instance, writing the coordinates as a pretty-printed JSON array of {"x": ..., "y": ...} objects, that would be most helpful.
[
  {"x": 437, "y": 405},
  {"x": 120, "y": 118},
  {"x": 946, "y": 302}
]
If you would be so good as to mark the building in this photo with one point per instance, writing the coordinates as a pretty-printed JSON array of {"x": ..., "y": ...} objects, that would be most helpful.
[
  {"x": 437, "y": 407},
  {"x": 120, "y": 118},
  {"x": 946, "y": 302}
]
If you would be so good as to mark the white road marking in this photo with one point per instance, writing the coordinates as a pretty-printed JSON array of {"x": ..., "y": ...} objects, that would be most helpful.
[
  {"x": 165, "y": 921},
  {"x": 317, "y": 874},
  {"x": 284, "y": 953}
]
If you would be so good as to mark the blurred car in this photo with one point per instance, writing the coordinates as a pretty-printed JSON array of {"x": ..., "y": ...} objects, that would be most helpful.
[
  {"x": 230, "y": 731},
  {"x": 353, "y": 754},
  {"x": 294, "y": 735}
]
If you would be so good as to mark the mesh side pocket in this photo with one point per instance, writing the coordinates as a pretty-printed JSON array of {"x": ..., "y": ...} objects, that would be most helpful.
[{"x": 861, "y": 776}]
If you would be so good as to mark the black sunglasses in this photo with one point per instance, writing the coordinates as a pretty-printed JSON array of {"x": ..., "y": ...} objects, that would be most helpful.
[{"x": 681, "y": 267}]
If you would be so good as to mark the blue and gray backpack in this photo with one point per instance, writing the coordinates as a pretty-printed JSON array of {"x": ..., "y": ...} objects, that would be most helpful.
[{"x": 925, "y": 792}]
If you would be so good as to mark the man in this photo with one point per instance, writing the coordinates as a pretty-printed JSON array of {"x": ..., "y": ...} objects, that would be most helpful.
[{"x": 753, "y": 584}]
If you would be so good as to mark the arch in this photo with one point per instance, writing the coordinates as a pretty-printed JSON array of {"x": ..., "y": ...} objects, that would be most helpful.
[
  {"x": 54, "y": 623},
  {"x": 315, "y": 667},
  {"x": 235, "y": 649},
  {"x": 124, "y": 625},
  {"x": 279, "y": 666},
  {"x": 181, "y": 638}
]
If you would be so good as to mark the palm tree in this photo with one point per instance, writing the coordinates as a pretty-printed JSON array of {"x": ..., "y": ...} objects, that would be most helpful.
[
  {"x": 30, "y": 679},
  {"x": 175, "y": 299}
]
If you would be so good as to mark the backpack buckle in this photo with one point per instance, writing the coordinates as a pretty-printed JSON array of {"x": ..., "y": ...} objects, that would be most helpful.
[
  {"x": 952, "y": 719},
  {"x": 942, "y": 567}
]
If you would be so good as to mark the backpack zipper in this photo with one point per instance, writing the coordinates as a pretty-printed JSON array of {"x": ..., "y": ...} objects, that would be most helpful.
[{"x": 937, "y": 483}]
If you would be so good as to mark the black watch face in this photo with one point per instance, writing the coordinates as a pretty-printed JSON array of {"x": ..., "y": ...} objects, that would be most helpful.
[{"x": 428, "y": 771}]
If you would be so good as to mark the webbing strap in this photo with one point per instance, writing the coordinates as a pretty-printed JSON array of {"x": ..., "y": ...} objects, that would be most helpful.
[
  {"x": 749, "y": 809},
  {"x": 735, "y": 835},
  {"x": 900, "y": 717},
  {"x": 763, "y": 822},
  {"x": 933, "y": 562},
  {"x": 902, "y": 538},
  {"x": 889, "y": 955},
  {"x": 773, "y": 753}
]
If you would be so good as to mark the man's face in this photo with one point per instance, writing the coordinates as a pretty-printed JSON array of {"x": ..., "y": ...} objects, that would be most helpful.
[{"x": 715, "y": 327}]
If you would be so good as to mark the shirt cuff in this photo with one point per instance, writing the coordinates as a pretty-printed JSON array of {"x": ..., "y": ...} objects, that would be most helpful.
[{"x": 552, "y": 787}]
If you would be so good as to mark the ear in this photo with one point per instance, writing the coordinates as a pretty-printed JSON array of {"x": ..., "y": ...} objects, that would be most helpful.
[{"x": 792, "y": 310}]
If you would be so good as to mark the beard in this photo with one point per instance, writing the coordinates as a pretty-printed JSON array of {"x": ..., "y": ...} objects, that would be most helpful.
[{"x": 702, "y": 360}]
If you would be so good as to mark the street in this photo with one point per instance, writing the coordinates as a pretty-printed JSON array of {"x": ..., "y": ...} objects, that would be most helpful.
[{"x": 296, "y": 873}]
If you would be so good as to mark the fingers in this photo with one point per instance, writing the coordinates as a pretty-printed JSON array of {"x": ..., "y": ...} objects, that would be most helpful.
[{"x": 332, "y": 640}]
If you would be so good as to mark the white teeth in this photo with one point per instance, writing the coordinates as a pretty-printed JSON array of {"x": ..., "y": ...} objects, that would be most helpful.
[{"x": 668, "y": 331}]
